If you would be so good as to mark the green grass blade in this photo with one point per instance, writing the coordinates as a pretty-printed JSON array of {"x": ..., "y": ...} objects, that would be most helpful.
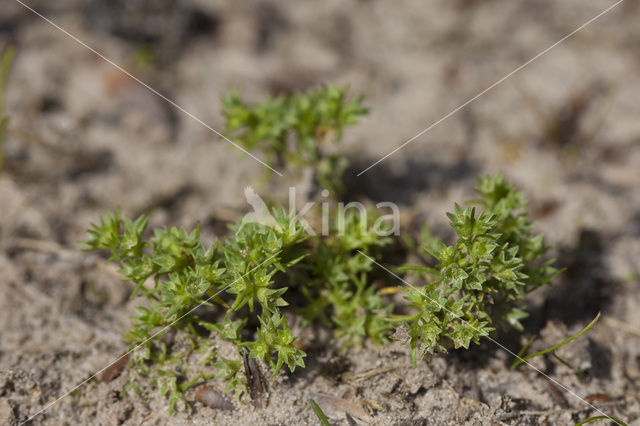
[
  {"x": 5, "y": 66},
  {"x": 590, "y": 419},
  {"x": 316, "y": 409},
  {"x": 524, "y": 349},
  {"x": 519, "y": 360},
  {"x": 4, "y": 122}
]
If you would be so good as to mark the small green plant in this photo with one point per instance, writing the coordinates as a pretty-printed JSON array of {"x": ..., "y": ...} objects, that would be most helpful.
[
  {"x": 5, "y": 66},
  {"x": 477, "y": 284},
  {"x": 335, "y": 280},
  {"x": 482, "y": 278},
  {"x": 296, "y": 130},
  {"x": 184, "y": 273},
  {"x": 249, "y": 287}
]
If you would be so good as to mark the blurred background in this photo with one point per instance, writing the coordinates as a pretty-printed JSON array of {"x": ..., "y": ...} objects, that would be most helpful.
[{"x": 85, "y": 138}]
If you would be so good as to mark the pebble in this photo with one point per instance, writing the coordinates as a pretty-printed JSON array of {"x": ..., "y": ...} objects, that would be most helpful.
[{"x": 212, "y": 398}]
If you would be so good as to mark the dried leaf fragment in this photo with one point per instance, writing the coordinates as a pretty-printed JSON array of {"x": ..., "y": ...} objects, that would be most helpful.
[
  {"x": 115, "y": 369},
  {"x": 338, "y": 408}
]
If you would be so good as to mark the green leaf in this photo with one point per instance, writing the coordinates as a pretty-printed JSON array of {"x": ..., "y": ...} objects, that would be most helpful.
[{"x": 319, "y": 413}]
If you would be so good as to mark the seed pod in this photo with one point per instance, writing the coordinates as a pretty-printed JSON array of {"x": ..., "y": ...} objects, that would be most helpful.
[{"x": 256, "y": 383}]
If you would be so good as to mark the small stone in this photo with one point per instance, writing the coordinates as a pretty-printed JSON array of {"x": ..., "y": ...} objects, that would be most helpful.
[{"x": 401, "y": 334}]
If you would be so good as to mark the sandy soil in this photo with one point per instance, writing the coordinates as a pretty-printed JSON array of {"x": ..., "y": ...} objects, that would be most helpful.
[{"x": 84, "y": 138}]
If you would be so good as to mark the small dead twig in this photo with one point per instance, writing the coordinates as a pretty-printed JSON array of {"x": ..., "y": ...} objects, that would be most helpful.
[
  {"x": 506, "y": 416},
  {"x": 556, "y": 393},
  {"x": 355, "y": 377},
  {"x": 47, "y": 246},
  {"x": 42, "y": 246},
  {"x": 621, "y": 325}
]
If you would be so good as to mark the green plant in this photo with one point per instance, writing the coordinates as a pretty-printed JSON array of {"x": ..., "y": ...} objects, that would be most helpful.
[
  {"x": 177, "y": 274},
  {"x": 249, "y": 287},
  {"x": 5, "y": 67},
  {"x": 336, "y": 282},
  {"x": 481, "y": 279},
  {"x": 296, "y": 130},
  {"x": 477, "y": 283}
]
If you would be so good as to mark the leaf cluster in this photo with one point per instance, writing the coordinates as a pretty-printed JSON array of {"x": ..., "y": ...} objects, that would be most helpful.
[
  {"x": 337, "y": 283},
  {"x": 296, "y": 129},
  {"x": 178, "y": 275},
  {"x": 247, "y": 281},
  {"x": 480, "y": 278}
]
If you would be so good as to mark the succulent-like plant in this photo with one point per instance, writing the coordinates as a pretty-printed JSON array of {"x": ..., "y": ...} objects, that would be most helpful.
[
  {"x": 481, "y": 279},
  {"x": 250, "y": 286}
]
